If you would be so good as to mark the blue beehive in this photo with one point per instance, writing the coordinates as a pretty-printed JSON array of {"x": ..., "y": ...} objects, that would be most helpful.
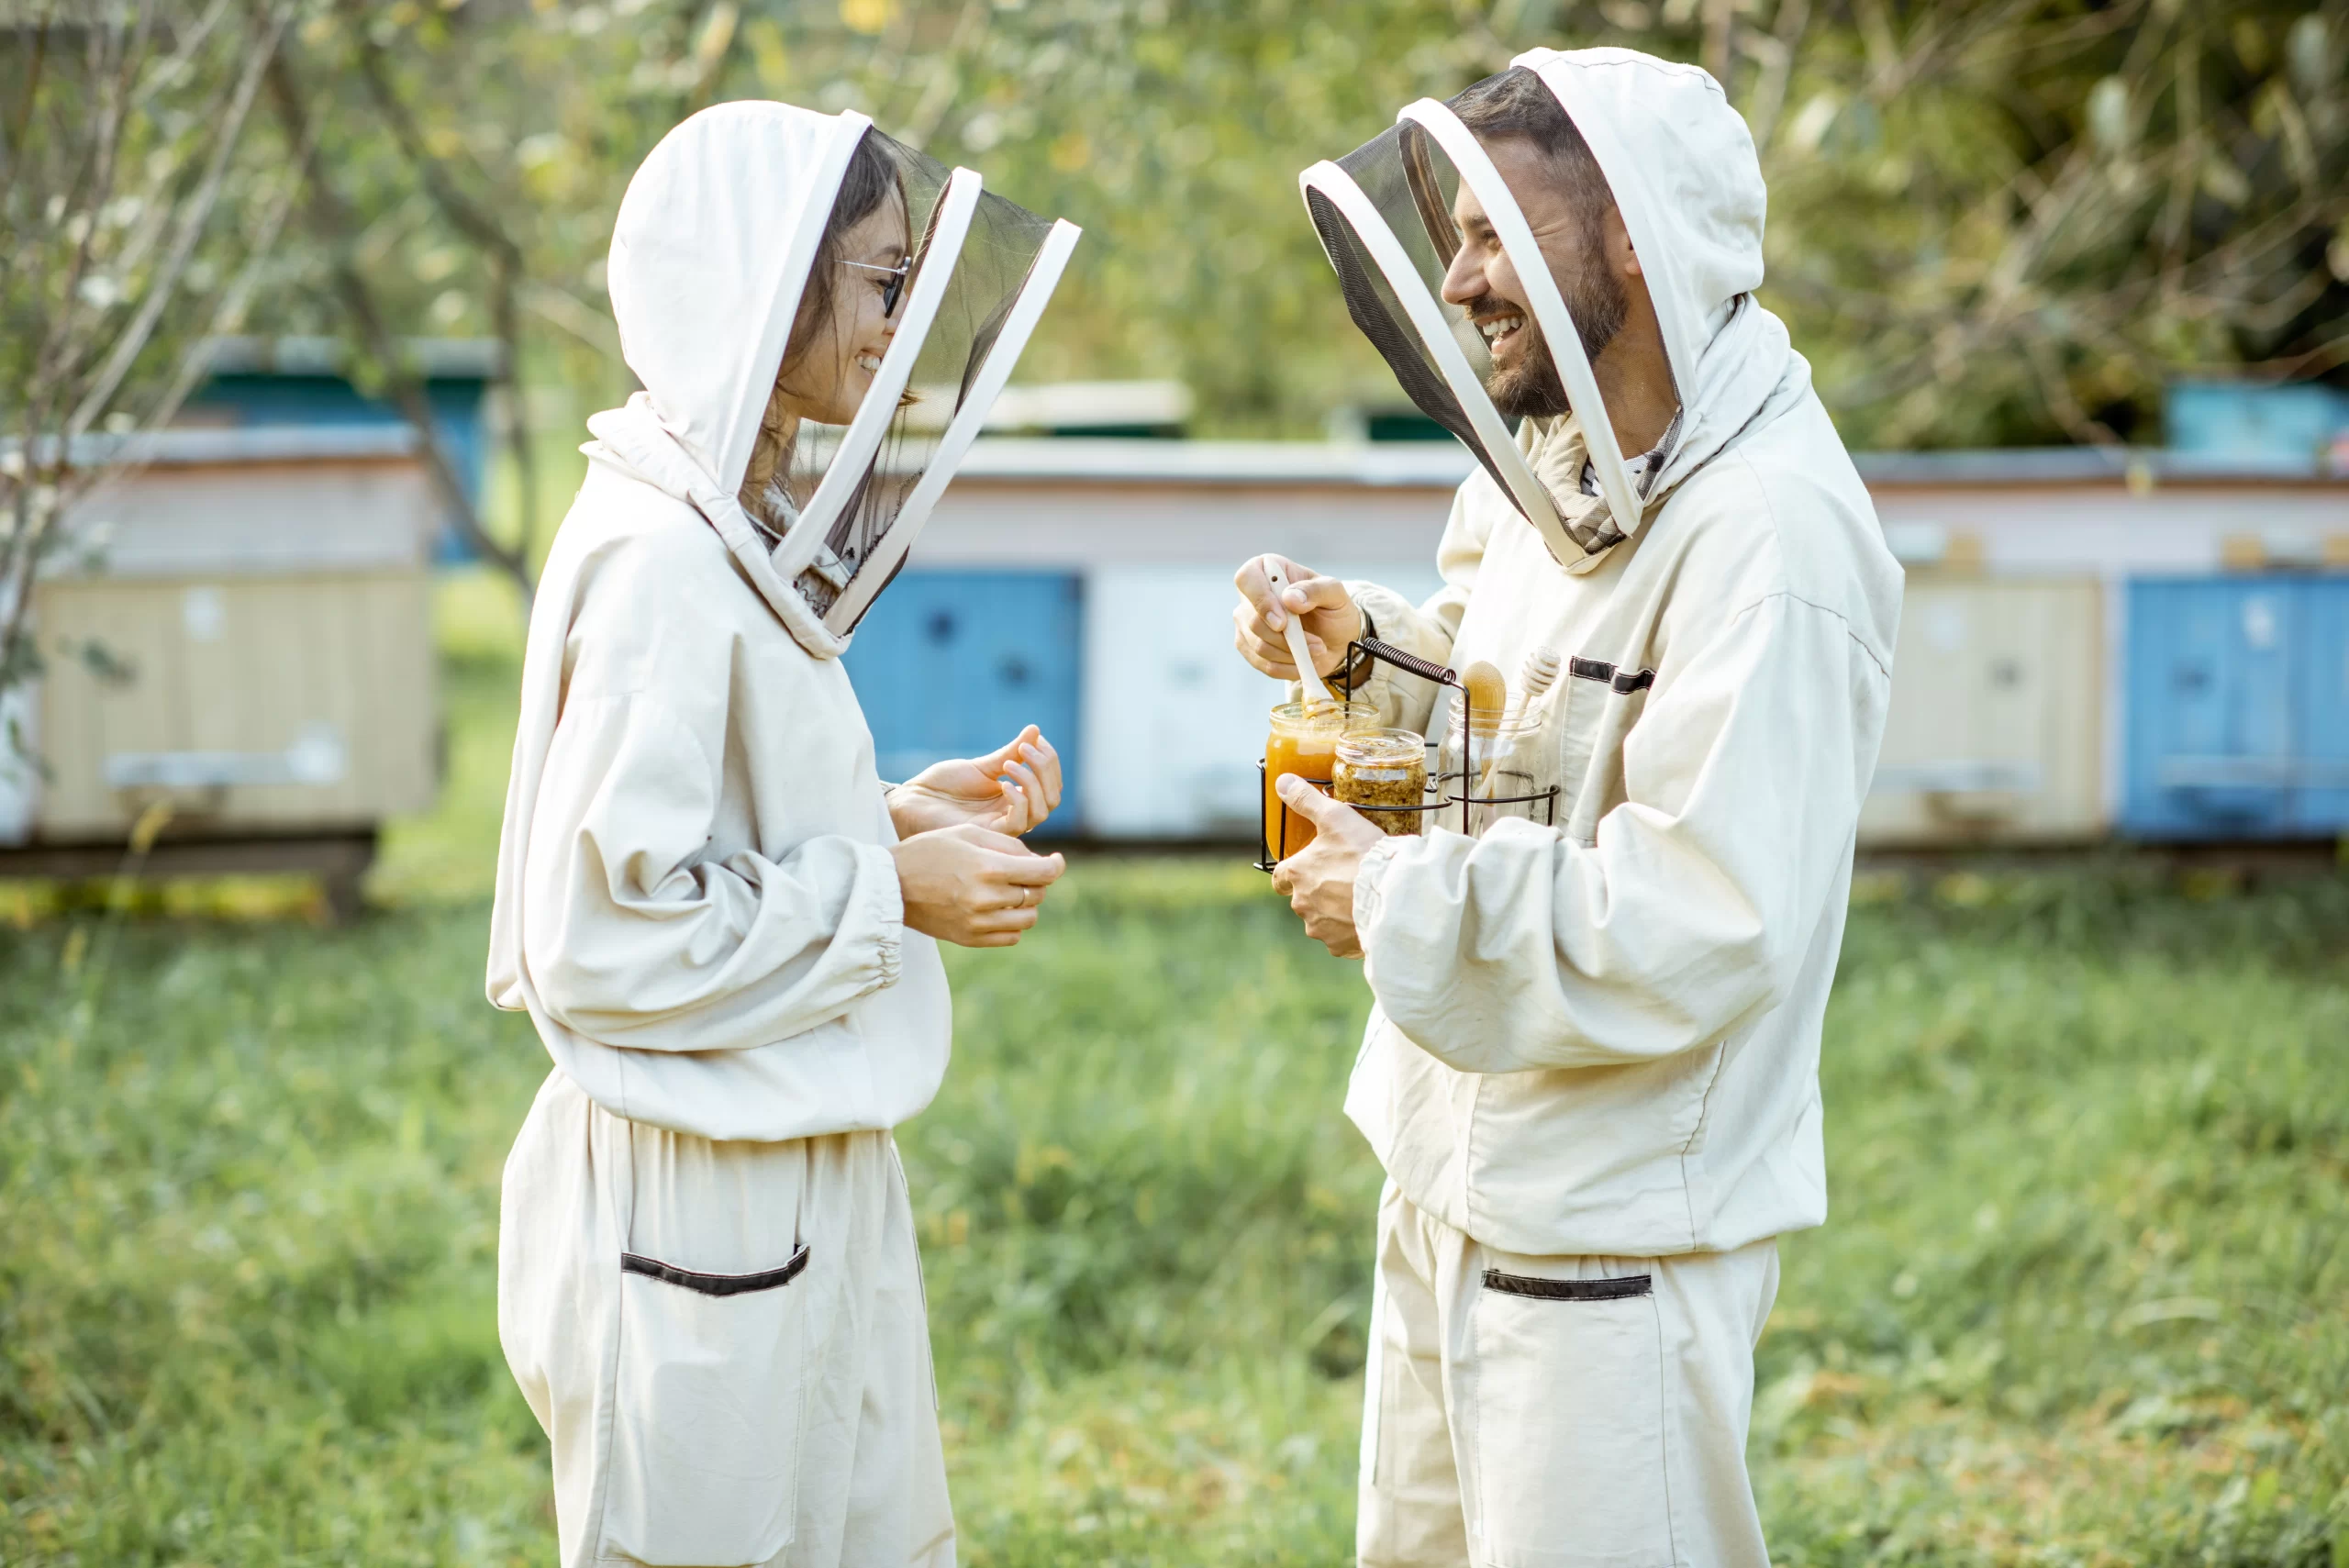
[
  {"x": 2291, "y": 426},
  {"x": 2237, "y": 708},
  {"x": 295, "y": 382},
  {"x": 2323, "y": 692},
  {"x": 952, "y": 663}
]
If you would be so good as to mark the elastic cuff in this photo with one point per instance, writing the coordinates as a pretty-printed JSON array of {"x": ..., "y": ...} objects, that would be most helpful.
[{"x": 888, "y": 913}]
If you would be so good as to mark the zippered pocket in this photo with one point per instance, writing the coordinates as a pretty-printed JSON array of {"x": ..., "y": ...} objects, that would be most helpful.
[
  {"x": 1622, "y": 1289},
  {"x": 707, "y": 1401},
  {"x": 1569, "y": 1421}
]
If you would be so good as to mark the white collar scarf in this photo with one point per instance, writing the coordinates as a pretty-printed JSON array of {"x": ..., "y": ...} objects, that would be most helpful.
[
  {"x": 632, "y": 438},
  {"x": 1643, "y": 469}
]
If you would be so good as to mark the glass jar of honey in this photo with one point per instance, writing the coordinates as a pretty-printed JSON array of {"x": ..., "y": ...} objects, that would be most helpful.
[
  {"x": 1378, "y": 768},
  {"x": 1304, "y": 742}
]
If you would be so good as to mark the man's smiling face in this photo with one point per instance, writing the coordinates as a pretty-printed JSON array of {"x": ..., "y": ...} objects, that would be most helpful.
[{"x": 1484, "y": 280}]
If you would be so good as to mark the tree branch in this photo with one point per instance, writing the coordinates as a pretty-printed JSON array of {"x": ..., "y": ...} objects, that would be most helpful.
[
  {"x": 331, "y": 222},
  {"x": 507, "y": 271},
  {"x": 194, "y": 217}
]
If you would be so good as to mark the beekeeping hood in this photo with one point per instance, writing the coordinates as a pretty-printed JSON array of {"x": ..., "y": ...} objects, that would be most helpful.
[
  {"x": 1683, "y": 170},
  {"x": 710, "y": 254}
]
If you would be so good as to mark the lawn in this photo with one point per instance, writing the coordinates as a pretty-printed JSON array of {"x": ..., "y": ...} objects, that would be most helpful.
[{"x": 2084, "y": 1298}]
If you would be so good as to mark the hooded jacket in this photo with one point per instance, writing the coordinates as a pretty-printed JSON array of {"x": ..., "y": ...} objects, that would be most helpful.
[
  {"x": 1602, "y": 1037},
  {"x": 696, "y": 899}
]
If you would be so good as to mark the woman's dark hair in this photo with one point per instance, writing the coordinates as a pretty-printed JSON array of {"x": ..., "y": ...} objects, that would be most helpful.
[{"x": 871, "y": 179}]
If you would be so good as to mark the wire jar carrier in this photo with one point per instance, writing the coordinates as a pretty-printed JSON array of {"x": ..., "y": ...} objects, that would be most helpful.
[{"x": 1494, "y": 792}]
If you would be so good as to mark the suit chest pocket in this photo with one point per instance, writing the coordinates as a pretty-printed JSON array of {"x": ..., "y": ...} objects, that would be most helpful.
[{"x": 1589, "y": 715}]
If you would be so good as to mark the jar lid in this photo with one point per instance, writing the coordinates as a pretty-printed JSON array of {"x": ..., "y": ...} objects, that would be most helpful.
[
  {"x": 1386, "y": 747},
  {"x": 1323, "y": 717}
]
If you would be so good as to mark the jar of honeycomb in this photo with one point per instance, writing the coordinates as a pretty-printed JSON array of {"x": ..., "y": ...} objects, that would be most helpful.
[{"x": 1383, "y": 768}]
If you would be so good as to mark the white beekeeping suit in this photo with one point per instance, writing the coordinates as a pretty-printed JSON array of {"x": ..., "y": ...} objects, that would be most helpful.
[
  {"x": 1591, "y": 1072},
  {"x": 708, "y": 1289}
]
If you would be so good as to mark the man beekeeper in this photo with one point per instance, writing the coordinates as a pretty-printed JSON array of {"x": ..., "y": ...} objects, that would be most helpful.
[{"x": 1591, "y": 1070}]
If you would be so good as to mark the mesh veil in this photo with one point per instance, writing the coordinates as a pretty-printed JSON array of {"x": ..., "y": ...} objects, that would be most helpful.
[
  {"x": 1411, "y": 183},
  {"x": 985, "y": 270}
]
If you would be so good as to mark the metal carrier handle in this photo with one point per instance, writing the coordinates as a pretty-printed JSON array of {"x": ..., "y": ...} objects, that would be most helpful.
[
  {"x": 1270, "y": 854},
  {"x": 1411, "y": 664}
]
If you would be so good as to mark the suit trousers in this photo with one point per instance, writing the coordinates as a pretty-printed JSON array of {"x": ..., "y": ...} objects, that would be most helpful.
[
  {"x": 1558, "y": 1412},
  {"x": 725, "y": 1343}
]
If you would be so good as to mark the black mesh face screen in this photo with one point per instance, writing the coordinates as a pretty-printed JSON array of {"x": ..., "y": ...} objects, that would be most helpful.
[
  {"x": 1372, "y": 305},
  {"x": 1428, "y": 196},
  {"x": 1411, "y": 185},
  {"x": 989, "y": 270},
  {"x": 998, "y": 260}
]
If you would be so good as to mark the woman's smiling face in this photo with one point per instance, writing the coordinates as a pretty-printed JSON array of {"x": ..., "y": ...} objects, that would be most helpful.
[{"x": 828, "y": 383}]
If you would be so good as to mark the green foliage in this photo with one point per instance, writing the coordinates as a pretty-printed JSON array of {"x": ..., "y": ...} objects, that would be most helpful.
[
  {"x": 2003, "y": 223},
  {"x": 2078, "y": 1301},
  {"x": 1990, "y": 222},
  {"x": 2090, "y": 1170},
  {"x": 133, "y": 207}
]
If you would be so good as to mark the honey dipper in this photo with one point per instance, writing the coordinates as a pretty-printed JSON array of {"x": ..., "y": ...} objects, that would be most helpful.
[
  {"x": 1541, "y": 668},
  {"x": 1485, "y": 695},
  {"x": 1300, "y": 654},
  {"x": 1488, "y": 696}
]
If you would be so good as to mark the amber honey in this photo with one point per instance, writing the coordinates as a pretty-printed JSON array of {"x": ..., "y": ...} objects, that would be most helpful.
[{"x": 1304, "y": 742}]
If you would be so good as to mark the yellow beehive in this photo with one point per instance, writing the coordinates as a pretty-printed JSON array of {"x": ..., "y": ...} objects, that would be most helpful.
[
  {"x": 1995, "y": 734},
  {"x": 274, "y": 704},
  {"x": 249, "y": 643}
]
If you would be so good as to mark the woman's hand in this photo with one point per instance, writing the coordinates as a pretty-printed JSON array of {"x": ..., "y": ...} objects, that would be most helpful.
[
  {"x": 972, "y": 888},
  {"x": 1010, "y": 790}
]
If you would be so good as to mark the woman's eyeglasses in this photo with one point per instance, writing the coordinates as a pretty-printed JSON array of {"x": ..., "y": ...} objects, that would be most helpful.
[{"x": 892, "y": 291}]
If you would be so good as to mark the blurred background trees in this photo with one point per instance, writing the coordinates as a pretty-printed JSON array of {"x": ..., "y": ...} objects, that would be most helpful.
[
  {"x": 2009, "y": 223},
  {"x": 137, "y": 215},
  {"x": 1993, "y": 222}
]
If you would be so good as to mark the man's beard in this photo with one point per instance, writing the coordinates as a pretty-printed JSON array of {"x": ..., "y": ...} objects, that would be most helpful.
[{"x": 1532, "y": 388}]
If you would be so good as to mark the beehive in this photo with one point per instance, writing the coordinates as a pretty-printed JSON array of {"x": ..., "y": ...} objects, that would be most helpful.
[
  {"x": 251, "y": 644},
  {"x": 1994, "y": 732}
]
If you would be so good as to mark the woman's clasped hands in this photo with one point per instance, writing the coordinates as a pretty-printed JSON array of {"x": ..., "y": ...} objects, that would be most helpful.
[
  {"x": 964, "y": 876},
  {"x": 1010, "y": 790}
]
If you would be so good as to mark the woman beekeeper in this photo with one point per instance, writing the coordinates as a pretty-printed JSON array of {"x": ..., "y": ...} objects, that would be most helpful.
[{"x": 718, "y": 918}]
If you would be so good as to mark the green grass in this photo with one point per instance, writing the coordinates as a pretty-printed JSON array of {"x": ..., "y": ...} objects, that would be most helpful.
[{"x": 2084, "y": 1298}]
